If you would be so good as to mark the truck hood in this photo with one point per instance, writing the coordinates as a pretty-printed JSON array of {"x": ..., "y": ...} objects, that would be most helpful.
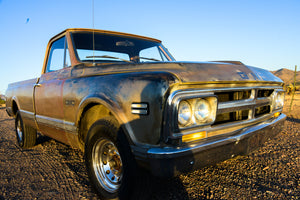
[{"x": 187, "y": 72}]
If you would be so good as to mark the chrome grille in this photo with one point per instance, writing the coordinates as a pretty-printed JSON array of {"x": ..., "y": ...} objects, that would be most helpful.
[
  {"x": 233, "y": 95},
  {"x": 241, "y": 105}
]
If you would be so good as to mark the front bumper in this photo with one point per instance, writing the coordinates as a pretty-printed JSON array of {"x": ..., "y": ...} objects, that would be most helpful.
[{"x": 171, "y": 161}]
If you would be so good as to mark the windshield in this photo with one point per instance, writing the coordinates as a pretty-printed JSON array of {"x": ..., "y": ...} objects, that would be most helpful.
[{"x": 116, "y": 48}]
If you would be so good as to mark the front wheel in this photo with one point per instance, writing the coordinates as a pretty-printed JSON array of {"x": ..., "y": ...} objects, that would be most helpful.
[
  {"x": 110, "y": 164},
  {"x": 107, "y": 164}
]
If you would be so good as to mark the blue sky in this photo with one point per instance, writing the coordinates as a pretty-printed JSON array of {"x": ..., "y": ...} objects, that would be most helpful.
[{"x": 262, "y": 33}]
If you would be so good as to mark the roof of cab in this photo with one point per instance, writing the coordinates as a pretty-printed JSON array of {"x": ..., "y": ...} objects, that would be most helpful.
[{"x": 104, "y": 32}]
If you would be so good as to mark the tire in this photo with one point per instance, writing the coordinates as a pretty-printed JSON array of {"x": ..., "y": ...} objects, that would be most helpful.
[
  {"x": 26, "y": 135},
  {"x": 110, "y": 164}
]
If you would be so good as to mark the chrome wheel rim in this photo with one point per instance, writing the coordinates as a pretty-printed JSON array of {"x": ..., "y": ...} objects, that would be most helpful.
[
  {"x": 107, "y": 165},
  {"x": 19, "y": 132}
]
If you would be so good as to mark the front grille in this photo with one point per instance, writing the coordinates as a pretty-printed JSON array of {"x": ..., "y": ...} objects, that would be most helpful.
[
  {"x": 231, "y": 116},
  {"x": 264, "y": 93},
  {"x": 239, "y": 105},
  {"x": 233, "y": 95},
  {"x": 262, "y": 110}
]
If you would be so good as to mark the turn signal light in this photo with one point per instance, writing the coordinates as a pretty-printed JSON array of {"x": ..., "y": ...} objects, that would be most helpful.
[
  {"x": 276, "y": 114},
  {"x": 194, "y": 136}
]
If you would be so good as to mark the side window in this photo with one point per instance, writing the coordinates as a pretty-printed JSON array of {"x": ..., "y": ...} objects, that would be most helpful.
[
  {"x": 58, "y": 57},
  {"x": 152, "y": 53}
]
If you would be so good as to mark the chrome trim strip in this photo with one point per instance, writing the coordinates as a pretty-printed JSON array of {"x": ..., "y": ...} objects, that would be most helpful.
[
  {"x": 263, "y": 101},
  {"x": 57, "y": 123},
  {"x": 198, "y": 91},
  {"x": 27, "y": 114},
  {"x": 224, "y": 107},
  {"x": 139, "y": 105},
  {"x": 140, "y": 112}
]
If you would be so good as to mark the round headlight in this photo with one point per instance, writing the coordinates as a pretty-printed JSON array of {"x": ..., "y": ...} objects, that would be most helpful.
[
  {"x": 184, "y": 113},
  {"x": 279, "y": 101},
  {"x": 202, "y": 110}
]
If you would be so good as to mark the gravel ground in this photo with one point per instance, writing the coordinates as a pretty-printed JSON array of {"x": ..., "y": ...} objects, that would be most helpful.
[{"x": 52, "y": 170}]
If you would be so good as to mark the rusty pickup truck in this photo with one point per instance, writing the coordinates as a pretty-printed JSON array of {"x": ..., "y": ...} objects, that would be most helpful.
[{"x": 126, "y": 102}]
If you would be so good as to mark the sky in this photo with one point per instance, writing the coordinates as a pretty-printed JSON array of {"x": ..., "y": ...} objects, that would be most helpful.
[{"x": 261, "y": 33}]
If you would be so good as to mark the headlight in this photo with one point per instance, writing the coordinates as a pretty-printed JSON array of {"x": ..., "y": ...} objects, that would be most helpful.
[
  {"x": 184, "y": 113},
  {"x": 202, "y": 110},
  {"x": 279, "y": 100},
  {"x": 197, "y": 111}
]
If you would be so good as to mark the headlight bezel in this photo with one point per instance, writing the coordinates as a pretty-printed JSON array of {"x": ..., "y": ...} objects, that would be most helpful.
[{"x": 212, "y": 103}]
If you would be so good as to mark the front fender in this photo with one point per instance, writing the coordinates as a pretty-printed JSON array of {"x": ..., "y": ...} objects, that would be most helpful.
[
  {"x": 117, "y": 92},
  {"x": 112, "y": 106}
]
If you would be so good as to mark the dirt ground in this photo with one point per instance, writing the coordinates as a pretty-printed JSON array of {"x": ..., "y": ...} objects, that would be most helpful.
[{"x": 52, "y": 170}]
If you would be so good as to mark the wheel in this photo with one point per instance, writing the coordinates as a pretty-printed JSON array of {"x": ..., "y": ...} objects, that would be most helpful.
[
  {"x": 26, "y": 135},
  {"x": 109, "y": 161}
]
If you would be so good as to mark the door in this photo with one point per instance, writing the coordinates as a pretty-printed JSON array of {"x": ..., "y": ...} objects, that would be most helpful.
[{"x": 48, "y": 92}]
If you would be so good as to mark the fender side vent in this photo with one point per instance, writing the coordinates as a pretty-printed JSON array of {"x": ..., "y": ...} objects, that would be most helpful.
[{"x": 139, "y": 108}]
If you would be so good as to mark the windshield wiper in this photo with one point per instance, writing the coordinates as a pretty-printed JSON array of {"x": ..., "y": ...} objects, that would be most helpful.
[
  {"x": 111, "y": 57},
  {"x": 153, "y": 59}
]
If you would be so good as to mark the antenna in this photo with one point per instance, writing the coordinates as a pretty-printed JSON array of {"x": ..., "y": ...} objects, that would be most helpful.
[{"x": 93, "y": 9}]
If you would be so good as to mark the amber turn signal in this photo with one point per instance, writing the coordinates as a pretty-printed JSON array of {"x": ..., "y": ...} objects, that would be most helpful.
[
  {"x": 276, "y": 114},
  {"x": 194, "y": 136}
]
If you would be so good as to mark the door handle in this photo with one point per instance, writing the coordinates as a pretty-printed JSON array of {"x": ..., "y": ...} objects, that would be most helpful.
[{"x": 37, "y": 85}]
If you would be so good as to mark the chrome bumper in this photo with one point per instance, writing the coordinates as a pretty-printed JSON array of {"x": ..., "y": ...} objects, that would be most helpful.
[{"x": 171, "y": 161}]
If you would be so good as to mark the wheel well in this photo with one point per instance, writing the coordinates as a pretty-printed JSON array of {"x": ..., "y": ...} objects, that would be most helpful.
[{"x": 91, "y": 113}]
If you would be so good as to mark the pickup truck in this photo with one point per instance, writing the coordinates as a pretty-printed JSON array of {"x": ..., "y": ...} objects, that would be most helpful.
[{"x": 129, "y": 106}]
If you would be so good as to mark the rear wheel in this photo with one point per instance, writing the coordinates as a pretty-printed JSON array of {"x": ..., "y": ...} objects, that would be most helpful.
[{"x": 26, "y": 135}]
